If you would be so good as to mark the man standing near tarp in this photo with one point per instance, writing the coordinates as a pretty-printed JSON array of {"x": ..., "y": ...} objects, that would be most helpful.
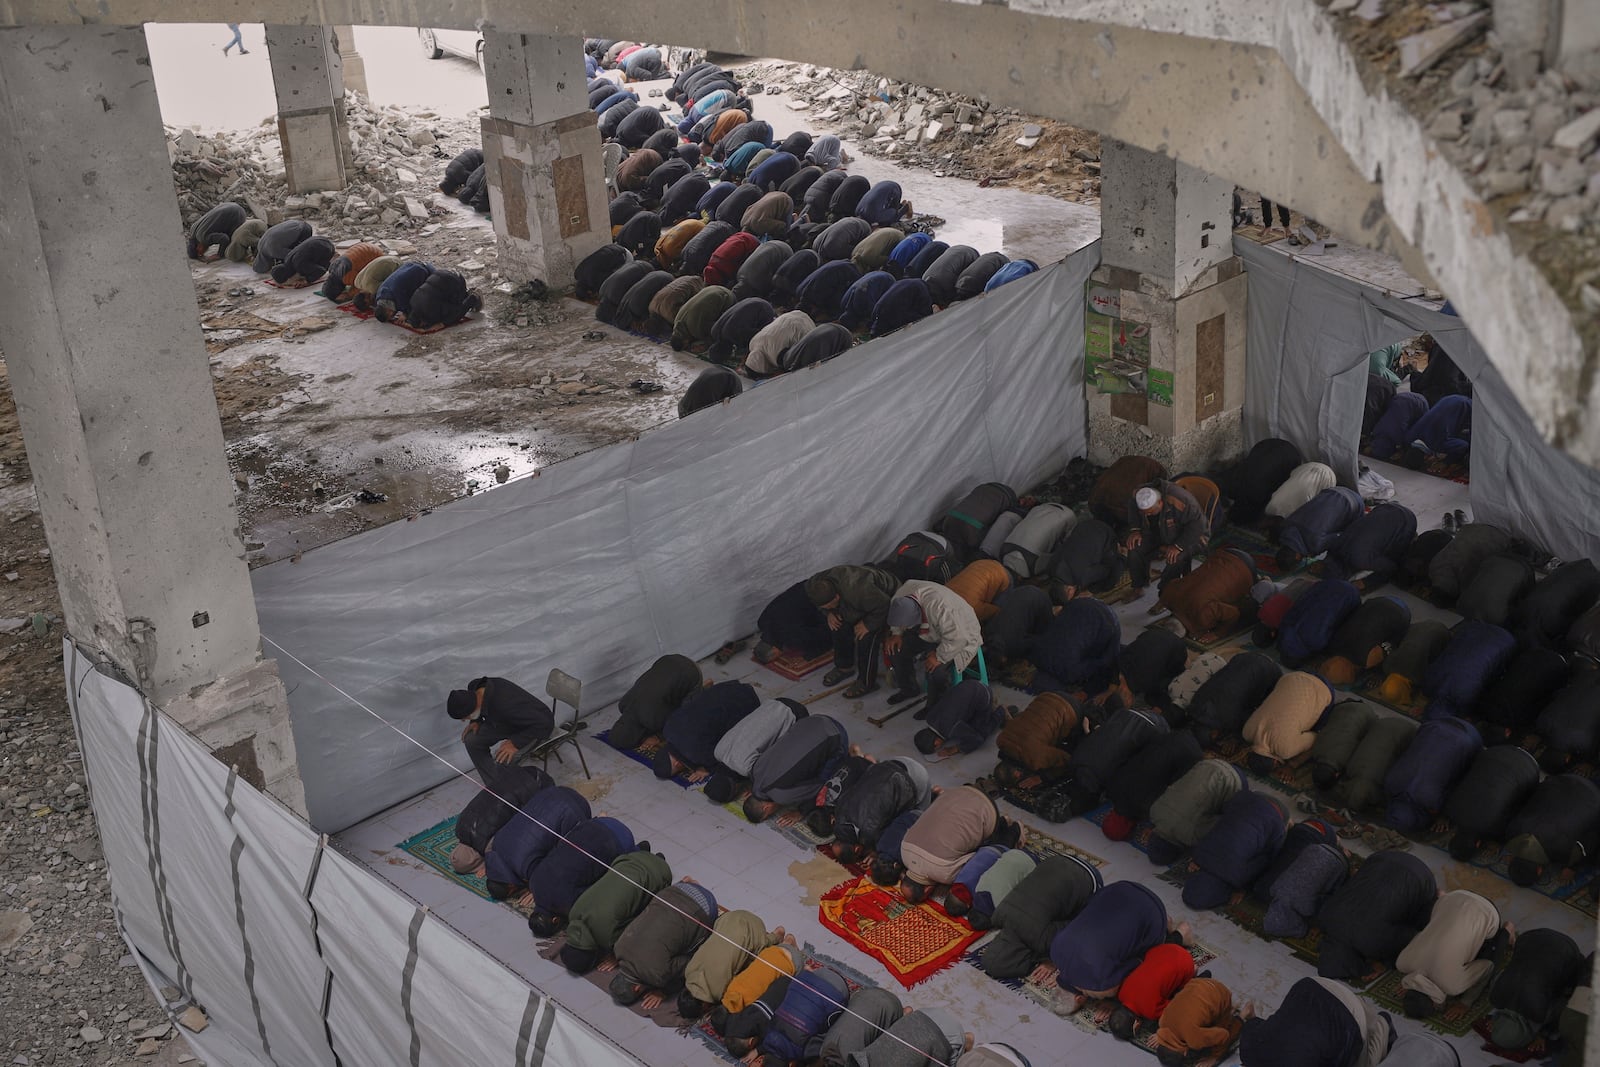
[{"x": 502, "y": 718}]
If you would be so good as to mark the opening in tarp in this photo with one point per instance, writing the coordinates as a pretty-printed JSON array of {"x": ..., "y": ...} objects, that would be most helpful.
[
  {"x": 671, "y": 543},
  {"x": 1310, "y": 332}
]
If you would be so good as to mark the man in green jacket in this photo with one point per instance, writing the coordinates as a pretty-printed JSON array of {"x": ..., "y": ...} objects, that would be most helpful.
[
  {"x": 856, "y": 602},
  {"x": 605, "y": 909}
]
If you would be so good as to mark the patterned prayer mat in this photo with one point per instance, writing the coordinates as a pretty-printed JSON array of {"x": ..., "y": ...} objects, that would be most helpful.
[
  {"x": 793, "y": 666},
  {"x": 913, "y": 941},
  {"x": 1457, "y": 1018},
  {"x": 294, "y": 285},
  {"x": 1139, "y": 839},
  {"x": 645, "y": 756},
  {"x": 1246, "y": 622},
  {"x": 350, "y": 309},
  {"x": 433, "y": 846},
  {"x": 1095, "y": 1015},
  {"x": 435, "y": 328},
  {"x": 788, "y": 822},
  {"x": 1255, "y": 544},
  {"x": 1450, "y": 470}
]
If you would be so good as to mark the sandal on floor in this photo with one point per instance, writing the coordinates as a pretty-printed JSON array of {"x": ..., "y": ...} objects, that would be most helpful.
[
  {"x": 857, "y": 691},
  {"x": 729, "y": 650},
  {"x": 837, "y": 675}
]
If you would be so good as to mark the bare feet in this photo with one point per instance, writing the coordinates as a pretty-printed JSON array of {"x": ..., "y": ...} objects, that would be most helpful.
[
  {"x": 855, "y": 750},
  {"x": 607, "y": 965},
  {"x": 695, "y": 776},
  {"x": 650, "y": 1001},
  {"x": 1186, "y": 933},
  {"x": 788, "y": 939},
  {"x": 1248, "y": 1011},
  {"x": 1045, "y": 972},
  {"x": 777, "y": 932},
  {"x": 523, "y": 899}
]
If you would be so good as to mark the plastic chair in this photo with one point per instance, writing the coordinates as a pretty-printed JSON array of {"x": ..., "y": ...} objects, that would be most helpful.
[{"x": 561, "y": 688}]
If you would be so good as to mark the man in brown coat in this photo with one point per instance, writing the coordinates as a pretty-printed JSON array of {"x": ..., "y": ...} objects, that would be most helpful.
[
  {"x": 1207, "y": 600},
  {"x": 958, "y": 823},
  {"x": 978, "y": 583},
  {"x": 1033, "y": 743},
  {"x": 635, "y": 170}
]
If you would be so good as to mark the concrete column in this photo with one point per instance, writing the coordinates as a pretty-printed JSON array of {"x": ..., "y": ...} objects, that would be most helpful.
[
  {"x": 1166, "y": 324},
  {"x": 307, "y": 76},
  {"x": 114, "y": 393},
  {"x": 354, "y": 67},
  {"x": 541, "y": 149}
]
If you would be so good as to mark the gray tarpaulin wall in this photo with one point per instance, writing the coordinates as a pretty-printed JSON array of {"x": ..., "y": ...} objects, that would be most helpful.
[
  {"x": 1310, "y": 332},
  {"x": 671, "y": 543},
  {"x": 298, "y": 955}
]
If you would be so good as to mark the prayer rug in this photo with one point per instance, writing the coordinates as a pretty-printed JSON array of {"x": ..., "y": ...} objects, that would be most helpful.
[
  {"x": 913, "y": 941},
  {"x": 433, "y": 846},
  {"x": 1246, "y": 622},
  {"x": 350, "y": 309},
  {"x": 1457, "y": 1018},
  {"x": 294, "y": 285},
  {"x": 1041, "y": 846},
  {"x": 1139, "y": 839},
  {"x": 1095, "y": 1015},
  {"x": 1440, "y": 467},
  {"x": 435, "y": 328},
  {"x": 1539, "y": 1050},
  {"x": 793, "y": 666},
  {"x": 647, "y": 757},
  {"x": 787, "y": 822}
]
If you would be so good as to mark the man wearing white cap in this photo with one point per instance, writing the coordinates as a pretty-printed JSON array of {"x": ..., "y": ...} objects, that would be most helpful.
[
  {"x": 943, "y": 632},
  {"x": 1167, "y": 523}
]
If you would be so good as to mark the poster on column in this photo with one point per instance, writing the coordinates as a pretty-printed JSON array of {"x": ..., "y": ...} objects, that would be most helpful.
[{"x": 1116, "y": 350}]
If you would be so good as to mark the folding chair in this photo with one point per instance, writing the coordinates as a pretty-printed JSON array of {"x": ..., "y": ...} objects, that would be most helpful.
[{"x": 561, "y": 687}]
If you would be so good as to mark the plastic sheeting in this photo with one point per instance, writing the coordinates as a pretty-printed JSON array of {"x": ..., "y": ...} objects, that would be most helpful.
[
  {"x": 1310, "y": 332},
  {"x": 671, "y": 543},
  {"x": 228, "y": 897}
]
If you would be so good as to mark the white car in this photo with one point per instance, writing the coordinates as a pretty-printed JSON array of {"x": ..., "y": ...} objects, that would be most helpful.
[{"x": 468, "y": 44}]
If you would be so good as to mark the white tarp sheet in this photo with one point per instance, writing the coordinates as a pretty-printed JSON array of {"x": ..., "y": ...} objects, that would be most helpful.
[
  {"x": 671, "y": 543},
  {"x": 1310, "y": 332},
  {"x": 226, "y": 896}
]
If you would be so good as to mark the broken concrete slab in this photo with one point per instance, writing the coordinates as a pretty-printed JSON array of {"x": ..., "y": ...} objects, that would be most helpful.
[
  {"x": 1422, "y": 50},
  {"x": 1580, "y": 134}
]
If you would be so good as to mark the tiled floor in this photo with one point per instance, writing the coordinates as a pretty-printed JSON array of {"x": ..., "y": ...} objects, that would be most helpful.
[{"x": 754, "y": 867}]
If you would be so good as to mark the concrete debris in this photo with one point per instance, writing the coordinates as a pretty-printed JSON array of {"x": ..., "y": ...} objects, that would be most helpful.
[
  {"x": 193, "y": 1019},
  {"x": 951, "y": 134},
  {"x": 1580, "y": 134},
  {"x": 397, "y": 156},
  {"x": 13, "y": 926},
  {"x": 1422, "y": 50}
]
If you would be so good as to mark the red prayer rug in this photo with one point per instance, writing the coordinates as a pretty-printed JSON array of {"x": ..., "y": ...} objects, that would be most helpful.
[
  {"x": 350, "y": 309},
  {"x": 913, "y": 941},
  {"x": 794, "y": 667}
]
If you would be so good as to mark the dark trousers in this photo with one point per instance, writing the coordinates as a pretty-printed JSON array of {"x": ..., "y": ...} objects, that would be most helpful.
[
  {"x": 1266, "y": 213},
  {"x": 913, "y": 649},
  {"x": 1140, "y": 559},
  {"x": 861, "y": 653},
  {"x": 480, "y": 749}
]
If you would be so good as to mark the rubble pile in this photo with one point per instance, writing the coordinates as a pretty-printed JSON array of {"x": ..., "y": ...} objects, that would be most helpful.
[
  {"x": 397, "y": 158},
  {"x": 1516, "y": 131},
  {"x": 947, "y": 133}
]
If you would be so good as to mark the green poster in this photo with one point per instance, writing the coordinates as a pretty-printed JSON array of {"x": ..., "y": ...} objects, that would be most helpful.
[{"x": 1160, "y": 387}]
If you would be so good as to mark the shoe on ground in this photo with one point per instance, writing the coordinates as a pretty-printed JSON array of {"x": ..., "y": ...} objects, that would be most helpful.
[
  {"x": 837, "y": 675},
  {"x": 900, "y": 696}
]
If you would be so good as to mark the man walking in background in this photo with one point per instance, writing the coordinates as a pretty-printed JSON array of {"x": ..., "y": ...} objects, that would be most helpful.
[{"x": 237, "y": 40}]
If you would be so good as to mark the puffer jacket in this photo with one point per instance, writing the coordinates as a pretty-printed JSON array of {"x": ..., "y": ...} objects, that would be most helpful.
[
  {"x": 1385, "y": 741},
  {"x": 1452, "y": 568},
  {"x": 1510, "y": 704},
  {"x": 1310, "y": 624},
  {"x": 1420, "y": 780},
  {"x": 1375, "y": 914},
  {"x": 1236, "y": 850},
  {"x": 1497, "y": 586},
  {"x": 1548, "y": 611},
  {"x": 1315, "y": 526},
  {"x": 1225, "y": 703},
  {"x": 1570, "y": 724},
  {"x": 1284, "y": 726},
  {"x": 524, "y": 842},
  {"x": 1348, "y": 722},
  {"x": 1142, "y": 779},
  {"x": 1497, "y": 784},
  {"x": 1079, "y": 648},
  {"x": 1409, "y": 662},
  {"x": 700, "y": 721},
  {"x": 1458, "y": 676},
  {"x": 1189, "y": 808},
  {"x": 606, "y": 908},
  {"x": 1038, "y": 737},
  {"x": 577, "y": 863},
  {"x": 1049, "y": 897},
  {"x": 1100, "y": 754},
  {"x": 1210, "y": 597},
  {"x": 876, "y": 797},
  {"x": 656, "y": 947}
]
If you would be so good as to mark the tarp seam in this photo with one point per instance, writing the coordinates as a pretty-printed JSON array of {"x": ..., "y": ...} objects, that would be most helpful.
[
  {"x": 407, "y": 977},
  {"x": 147, "y": 745},
  {"x": 235, "y": 853}
]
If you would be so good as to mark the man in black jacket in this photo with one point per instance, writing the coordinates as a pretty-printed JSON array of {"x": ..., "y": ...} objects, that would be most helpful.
[{"x": 502, "y": 717}]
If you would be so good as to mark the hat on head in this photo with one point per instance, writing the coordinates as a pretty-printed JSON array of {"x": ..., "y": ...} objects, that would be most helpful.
[
  {"x": 1511, "y": 1031},
  {"x": 1146, "y": 498},
  {"x": 578, "y": 960},
  {"x": 460, "y": 703},
  {"x": 1263, "y": 591},
  {"x": 820, "y": 590},
  {"x": 1339, "y": 671},
  {"x": 662, "y": 764},
  {"x": 719, "y": 789},
  {"x": 464, "y": 858},
  {"x": 1117, "y": 826},
  {"x": 904, "y": 611}
]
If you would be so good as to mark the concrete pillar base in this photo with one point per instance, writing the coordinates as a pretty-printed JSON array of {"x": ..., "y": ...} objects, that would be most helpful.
[
  {"x": 244, "y": 720},
  {"x": 546, "y": 195},
  {"x": 354, "y": 67},
  {"x": 313, "y": 159}
]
